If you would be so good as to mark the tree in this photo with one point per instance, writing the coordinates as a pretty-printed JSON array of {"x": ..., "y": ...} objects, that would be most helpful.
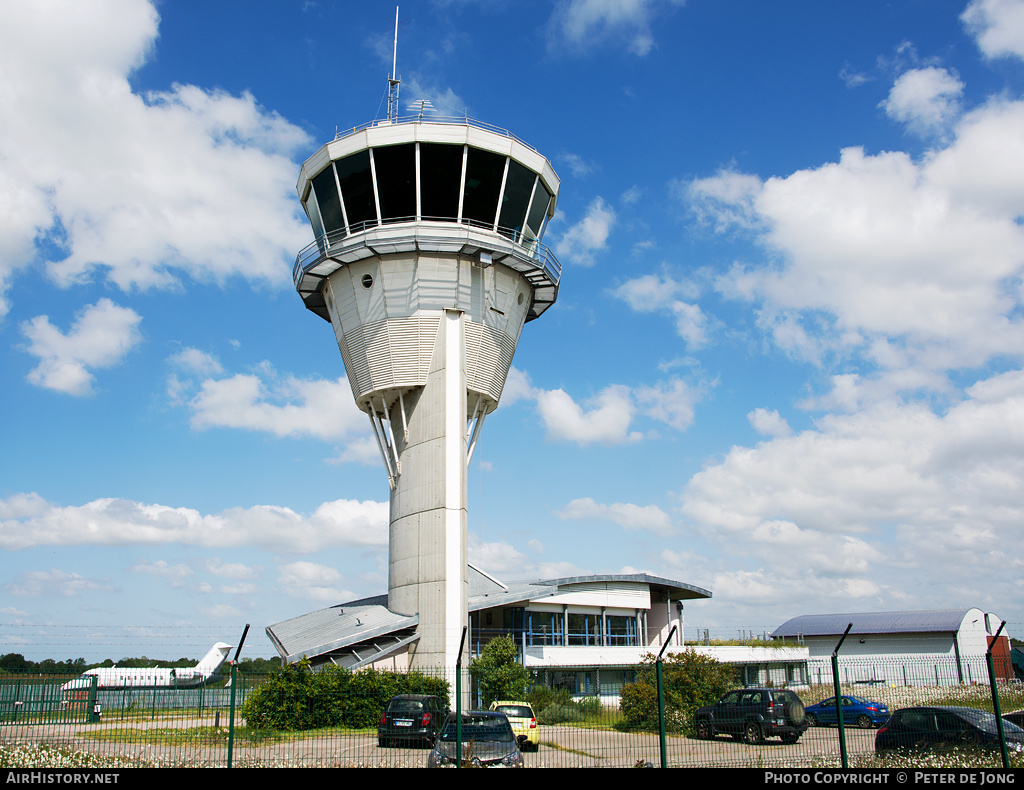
[{"x": 498, "y": 672}]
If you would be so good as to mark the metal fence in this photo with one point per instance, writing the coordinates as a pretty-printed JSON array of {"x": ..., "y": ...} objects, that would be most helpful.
[{"x": 42, "y": 724}]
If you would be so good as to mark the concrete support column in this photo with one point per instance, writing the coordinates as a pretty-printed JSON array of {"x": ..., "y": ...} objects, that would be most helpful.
[{"x": 428, "y": 535}]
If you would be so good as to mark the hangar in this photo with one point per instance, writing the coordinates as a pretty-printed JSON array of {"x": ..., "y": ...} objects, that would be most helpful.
[{"x": 931, "y": 647}]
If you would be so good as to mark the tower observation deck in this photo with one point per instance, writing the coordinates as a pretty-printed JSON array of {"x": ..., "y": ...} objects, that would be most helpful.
[{"x": 427, "y": 262}]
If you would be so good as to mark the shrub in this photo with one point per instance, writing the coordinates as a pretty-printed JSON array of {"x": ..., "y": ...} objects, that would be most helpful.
[
  {"x": 689, "y": 680},
  {"x": 297, "y": 698}
]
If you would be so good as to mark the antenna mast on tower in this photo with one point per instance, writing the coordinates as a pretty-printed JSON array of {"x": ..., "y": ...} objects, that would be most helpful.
[{"x": 393, "y": 81}]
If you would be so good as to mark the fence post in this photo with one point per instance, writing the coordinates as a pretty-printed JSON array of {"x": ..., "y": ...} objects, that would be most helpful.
[
  {"x": 995, "y": 698},
  {"x": 91, "y": 715},
  {"x": 661, "y": 701},
  {"x": 839, "y": 698},
  {"x": 234, "y": 678},
  {"x": 231, "y": 712},
  {"x": 458, "y": 702}
]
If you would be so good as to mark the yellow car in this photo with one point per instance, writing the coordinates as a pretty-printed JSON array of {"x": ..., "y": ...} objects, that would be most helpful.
[{"x": 524, "y": 722}]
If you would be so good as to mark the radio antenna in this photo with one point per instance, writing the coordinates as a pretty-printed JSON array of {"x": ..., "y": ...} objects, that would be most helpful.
[{"x": 393, "y": 81}]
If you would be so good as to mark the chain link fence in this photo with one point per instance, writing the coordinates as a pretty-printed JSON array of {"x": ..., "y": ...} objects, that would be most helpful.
[{"x": 332, "y": 718}]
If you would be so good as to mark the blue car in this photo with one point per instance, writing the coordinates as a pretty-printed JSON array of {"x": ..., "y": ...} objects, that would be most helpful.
[{"x": 856, "y": 710}]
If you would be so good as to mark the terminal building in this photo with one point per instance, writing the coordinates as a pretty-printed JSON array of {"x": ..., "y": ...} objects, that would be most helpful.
[{"x": 585, "y": 634}]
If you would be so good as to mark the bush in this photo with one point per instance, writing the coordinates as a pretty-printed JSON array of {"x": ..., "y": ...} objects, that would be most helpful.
[
  {"x": 297, "y": 698},
  {"x": 689, "y": 680}
]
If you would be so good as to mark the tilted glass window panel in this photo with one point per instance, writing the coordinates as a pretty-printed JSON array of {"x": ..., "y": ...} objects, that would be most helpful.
[
  {"x": 440, "y": 180},
  {"x": 484, "y": 171},
  {"x": 395, "y": 166},
  {"x": 327, "y": 198},
  {"x": 515, "y": 199},
  {"x": 357, "y": 190},
  {"x": 539, "y": 207},
  {"x": 313, "y": 212}
]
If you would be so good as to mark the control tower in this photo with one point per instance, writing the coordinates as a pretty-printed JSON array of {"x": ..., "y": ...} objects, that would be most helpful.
[{"x": 427, "y": 263}]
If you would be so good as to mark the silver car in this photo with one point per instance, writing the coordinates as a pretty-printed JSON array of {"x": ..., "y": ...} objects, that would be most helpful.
[{"x": 487, "y": 742}]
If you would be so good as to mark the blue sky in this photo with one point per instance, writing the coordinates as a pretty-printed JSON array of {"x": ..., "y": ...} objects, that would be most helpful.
[{"x": 785, "y": 363}]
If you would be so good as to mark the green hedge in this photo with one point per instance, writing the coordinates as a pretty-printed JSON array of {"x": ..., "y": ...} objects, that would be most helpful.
[{"x": 297, "y": 698}]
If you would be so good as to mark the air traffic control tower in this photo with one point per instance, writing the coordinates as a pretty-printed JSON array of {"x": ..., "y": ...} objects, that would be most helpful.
[{"x": 427, "y": 263}]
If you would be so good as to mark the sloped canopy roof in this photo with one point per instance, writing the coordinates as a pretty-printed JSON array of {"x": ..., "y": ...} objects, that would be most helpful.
[
  {"x": 359, "y": 632},
  {"x": 930, "y": 621}
]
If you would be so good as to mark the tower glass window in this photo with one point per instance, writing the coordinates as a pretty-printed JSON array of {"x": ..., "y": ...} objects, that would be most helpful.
[
  {"x": 440, "y": 179},
  {"x": 395, "y": 166},
  {"x": 326, "y": 190},
  {"x": 484, "y": 171},
  {"x": 357, "y": 190},
  {"x": 515, "y": 199}
]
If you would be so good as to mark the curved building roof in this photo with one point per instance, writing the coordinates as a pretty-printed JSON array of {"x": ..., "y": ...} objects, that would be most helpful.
[
  {"x": 929, "y": 621},
  {"x": 359, "y": 632}
]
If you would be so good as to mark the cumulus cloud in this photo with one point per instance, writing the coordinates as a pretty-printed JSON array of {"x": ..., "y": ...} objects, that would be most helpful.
[
  {"x": 139, "y": 189},
  {"x": 997, "y": 25},
  {"x": 609, "y": 416},
  {"x": 925, "y": 100},
  {"x": 580, "y": 25},
  {"x": 28, "y": 520},
  {"x": 768, "y": 423},
  {"x": 581, "y": 242},
  {"x": 913, "y": 267},
  {"x": 894, "y": 488},
  {"x": 313, "y": 581},
  {"x": 606, "y": 419},
  {"x": 678, "y": 298},
  {"x": 36, "y": 584},
  {"x": 628, "y": 516},
  {"x": 101, "y": 336}
]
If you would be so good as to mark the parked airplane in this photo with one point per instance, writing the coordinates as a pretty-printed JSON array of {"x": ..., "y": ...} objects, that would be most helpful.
[{"x": 130, "y": 677}]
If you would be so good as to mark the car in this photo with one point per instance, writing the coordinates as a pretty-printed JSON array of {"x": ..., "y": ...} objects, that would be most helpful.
[
  {"x": 856, "y": 710},
  {"x": 1015, "y": 717},
  {"x": 487, "y": 742},
  {"x": 753, "y": 714},
  {"x": 524, "y": 723},
  {"x": 413, "y": 719},
  {"x": 941, "y": 727}
]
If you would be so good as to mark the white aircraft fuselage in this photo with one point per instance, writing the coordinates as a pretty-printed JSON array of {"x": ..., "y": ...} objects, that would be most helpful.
[{"x": 155, "y": 677}]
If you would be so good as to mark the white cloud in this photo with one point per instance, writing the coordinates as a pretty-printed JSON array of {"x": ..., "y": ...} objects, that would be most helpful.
[
  {"x": 998, "y": 26},
  {"x": 606, "y": 421},
  {"x": 582, "y": 241},
  {"x": 912, "y": 267},
  {"x": 769, "y": 423},
  {"x": 175, "y": 575},
  {"x": 286, "y": 406},
  {"x": 580, "y": 25},
  {"x": 313, "y": 581},
  {"x": 672, "y": 402},
  {"x": 726, "y": 199},
  {"x": 100, "y": 180},
  {"x": 27, "y": 520},
  {"x": 607, "y": 417},
  {"x": 650, "y": 293},
  {"x": 36, "y": 584},
  {"x": 101, "y": 336},
  {"x": 891, "y": 489},
  {"x": 925, "y": 100},
  {"x": 645, "y": 517}
]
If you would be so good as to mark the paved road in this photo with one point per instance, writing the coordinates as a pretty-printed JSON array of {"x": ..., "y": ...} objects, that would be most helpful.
[{"x": 560, "y": 747}]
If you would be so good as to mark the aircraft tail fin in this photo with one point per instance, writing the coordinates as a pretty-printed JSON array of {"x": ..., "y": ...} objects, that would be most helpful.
[{"x": 212, "y": 661}]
